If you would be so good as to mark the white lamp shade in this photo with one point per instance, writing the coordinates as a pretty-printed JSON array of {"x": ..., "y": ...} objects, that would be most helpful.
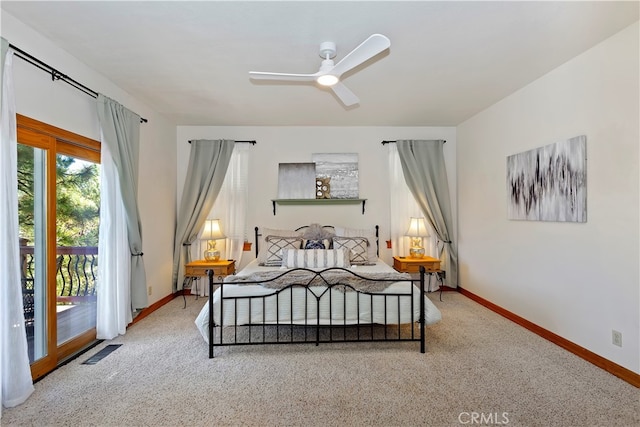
[
  {"x": 417, "y": 228},
  {"x": 212, "y": 230}
]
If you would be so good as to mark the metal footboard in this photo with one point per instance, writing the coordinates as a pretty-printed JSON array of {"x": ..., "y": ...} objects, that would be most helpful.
[{"x": 309, "y": 328}]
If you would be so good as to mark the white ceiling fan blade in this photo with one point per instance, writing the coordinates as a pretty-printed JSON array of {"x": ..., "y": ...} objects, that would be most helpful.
[
  {"x": 347, "y": 97},
  {"x": 366, "y": 50},
  {"x": 257, "y": 75}
]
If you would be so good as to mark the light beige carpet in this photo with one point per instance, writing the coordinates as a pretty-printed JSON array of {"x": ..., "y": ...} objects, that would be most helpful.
[{"x": 479, "y": 369}]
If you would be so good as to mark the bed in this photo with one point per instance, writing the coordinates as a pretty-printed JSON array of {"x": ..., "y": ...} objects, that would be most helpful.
[{"x": 316, "y": 285}]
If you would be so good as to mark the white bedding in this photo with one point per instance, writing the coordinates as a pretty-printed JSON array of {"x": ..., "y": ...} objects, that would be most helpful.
[{"x": 297, "y": 315}]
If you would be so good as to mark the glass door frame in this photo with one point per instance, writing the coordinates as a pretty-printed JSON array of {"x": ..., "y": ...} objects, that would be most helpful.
[{"x": 55, "y": 141}]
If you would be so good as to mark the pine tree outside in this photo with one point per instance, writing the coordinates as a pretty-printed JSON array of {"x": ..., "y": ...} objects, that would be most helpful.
[{"x": 77, "y": 220}]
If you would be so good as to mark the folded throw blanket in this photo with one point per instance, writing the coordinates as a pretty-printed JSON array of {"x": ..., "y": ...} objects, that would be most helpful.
[{"x": 344, "y": 279}]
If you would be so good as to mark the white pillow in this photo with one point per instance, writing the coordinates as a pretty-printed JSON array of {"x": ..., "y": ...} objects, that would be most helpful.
[
  {"x": 315, "y": 258},
  {"x": 370, "y": 235},
  {"x": 266, "y": 232}
]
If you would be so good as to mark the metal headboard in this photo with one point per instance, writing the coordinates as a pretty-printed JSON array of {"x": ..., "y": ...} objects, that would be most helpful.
[{"x": 257, "y": 237}]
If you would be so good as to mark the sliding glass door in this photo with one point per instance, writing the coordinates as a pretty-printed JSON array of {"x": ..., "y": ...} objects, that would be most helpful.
[
  {"x": 32, "y": 214},
  {"x": 77, "y": 214},
  {"x": 58, "y": 209}
]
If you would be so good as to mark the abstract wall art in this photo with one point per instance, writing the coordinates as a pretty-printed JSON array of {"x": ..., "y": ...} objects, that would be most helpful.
[
  {"x": 549, "y": 183},
  {"x": 342, "y": 168},
  {"x": 296, "y": 181}
]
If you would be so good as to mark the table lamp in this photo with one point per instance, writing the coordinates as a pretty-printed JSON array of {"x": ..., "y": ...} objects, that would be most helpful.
[
  {"x": 417, "y": 231},
  {"x": 211, "y": 233}
]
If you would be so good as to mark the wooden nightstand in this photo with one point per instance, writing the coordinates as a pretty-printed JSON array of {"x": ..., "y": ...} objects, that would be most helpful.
[
  {"x": 412, "y": 265},
  {"x": 197, "y": 269},
  {"x": 220, "y": 268}
]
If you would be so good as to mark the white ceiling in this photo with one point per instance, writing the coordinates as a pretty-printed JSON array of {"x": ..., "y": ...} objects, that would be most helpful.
[{"x": 448, "y": 60}]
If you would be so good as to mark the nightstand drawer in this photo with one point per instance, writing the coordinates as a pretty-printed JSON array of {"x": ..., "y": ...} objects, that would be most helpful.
[
  {"x": 412, "y": 265},
  {"x": 202, "y": 271},
  {"x": 199, "y": 268}
]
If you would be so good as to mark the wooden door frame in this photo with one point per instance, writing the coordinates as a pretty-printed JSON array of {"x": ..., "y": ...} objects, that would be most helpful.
[{"x": 56, "y": 141}]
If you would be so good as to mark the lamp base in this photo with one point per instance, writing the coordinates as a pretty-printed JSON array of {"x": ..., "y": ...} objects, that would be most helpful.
[
  {"x": 416, "y": 252},
  {"x": 212, "y": 255}
]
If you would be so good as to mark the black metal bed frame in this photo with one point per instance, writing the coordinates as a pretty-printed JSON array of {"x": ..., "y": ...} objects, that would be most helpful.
[
  {"x": 311, "y": 323},
  {"x": 311, "y": 329}
]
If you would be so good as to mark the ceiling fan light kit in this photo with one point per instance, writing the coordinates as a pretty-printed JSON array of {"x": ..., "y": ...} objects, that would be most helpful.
[
  {"x": 329, "y": 73},
  {"x": 327, "y": 80}
]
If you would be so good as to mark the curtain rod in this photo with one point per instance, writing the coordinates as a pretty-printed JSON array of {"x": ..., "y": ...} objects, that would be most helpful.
[
  {"x": 57, "y": 75},
  {"x": 393, "y": 142},
  {"x": 252, "y": 142}
]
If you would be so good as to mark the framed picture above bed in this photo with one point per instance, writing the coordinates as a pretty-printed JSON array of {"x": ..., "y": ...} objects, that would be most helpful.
[
  {"x": 342, "y": 169},
  {"x": 296, "y": 181}
]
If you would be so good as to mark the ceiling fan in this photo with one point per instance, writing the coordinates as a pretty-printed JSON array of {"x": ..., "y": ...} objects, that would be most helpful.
[{"x": 329, "y": 73}]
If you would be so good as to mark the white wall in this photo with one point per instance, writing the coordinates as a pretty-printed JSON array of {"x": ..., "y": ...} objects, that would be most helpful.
[
  {"x": 60, "y": 105},
  {"x": 297, "y": 144},
  {"x": 578, "y": 280}
]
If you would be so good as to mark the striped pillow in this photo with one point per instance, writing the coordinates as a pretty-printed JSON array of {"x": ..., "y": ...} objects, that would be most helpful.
[{"x": 315, "y": 258}]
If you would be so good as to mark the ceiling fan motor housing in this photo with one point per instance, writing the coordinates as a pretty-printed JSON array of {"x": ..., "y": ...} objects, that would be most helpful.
[{"x": 327, "y": 50}]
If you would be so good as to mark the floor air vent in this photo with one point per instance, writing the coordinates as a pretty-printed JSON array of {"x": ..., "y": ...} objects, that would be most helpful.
[{"x": 101, "y": 354}]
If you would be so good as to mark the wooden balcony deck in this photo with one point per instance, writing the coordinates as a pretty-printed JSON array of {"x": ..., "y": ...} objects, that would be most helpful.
[{"x": 72, "y": 321}]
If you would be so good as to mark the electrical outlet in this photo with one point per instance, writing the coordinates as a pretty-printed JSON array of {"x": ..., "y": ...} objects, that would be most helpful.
[
  {"x": 149, "y": 290},
  {"x": 616, "y": 338}
]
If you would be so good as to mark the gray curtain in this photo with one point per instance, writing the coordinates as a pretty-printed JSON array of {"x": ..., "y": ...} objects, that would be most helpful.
[
  {"x": 121, "y": 132},
  {"x": 208, "y": 163},
  {"x": 426, "y": 176}
]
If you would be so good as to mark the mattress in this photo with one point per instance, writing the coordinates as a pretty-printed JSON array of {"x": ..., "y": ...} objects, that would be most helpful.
[{"x": 300, "y": 305}]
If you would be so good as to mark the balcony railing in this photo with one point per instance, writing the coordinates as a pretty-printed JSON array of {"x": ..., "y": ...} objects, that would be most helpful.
[{"x": 76, "y": 272}]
